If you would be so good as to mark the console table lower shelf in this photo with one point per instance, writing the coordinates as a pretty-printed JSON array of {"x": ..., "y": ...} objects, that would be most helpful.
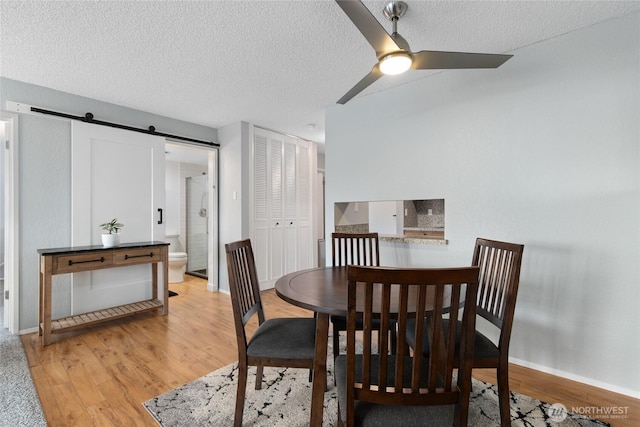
[
  {"x": 87, "y": 319},
  {"x": 88, "y": 258}
]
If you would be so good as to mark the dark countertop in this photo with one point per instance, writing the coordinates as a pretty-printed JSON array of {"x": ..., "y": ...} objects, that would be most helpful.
[{"x": 94, "y": 248}]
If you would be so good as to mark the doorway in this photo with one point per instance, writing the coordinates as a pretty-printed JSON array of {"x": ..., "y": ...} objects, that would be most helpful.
[
  {"x": 3, "y": 301},
  {"x": 9, "y": 271},
  {"x": 192, "y": 206},
  {"x": 196, "y": 225}
]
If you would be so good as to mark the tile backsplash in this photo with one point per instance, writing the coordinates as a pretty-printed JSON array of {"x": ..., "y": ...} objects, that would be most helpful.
[{"x": 424, "y": 213}]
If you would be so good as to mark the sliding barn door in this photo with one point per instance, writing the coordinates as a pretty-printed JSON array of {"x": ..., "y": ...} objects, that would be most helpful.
[{"x": 115, "y": 174}]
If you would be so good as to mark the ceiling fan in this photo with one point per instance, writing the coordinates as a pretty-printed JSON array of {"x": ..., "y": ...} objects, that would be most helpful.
[{"x": 393, "y": 52}]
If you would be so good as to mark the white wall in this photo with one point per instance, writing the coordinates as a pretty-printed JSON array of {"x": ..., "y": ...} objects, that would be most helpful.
[
  {"x": 234, "y": 193},
  {"x": 543, "y": 151},
  {"x": 2, "y": 156}
]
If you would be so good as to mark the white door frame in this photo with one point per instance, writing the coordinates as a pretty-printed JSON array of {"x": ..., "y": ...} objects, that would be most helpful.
[
  {"x": 11, "y": 220},
  {"x": 213, "y": 266},
  {"x": 213, "y": 206}
]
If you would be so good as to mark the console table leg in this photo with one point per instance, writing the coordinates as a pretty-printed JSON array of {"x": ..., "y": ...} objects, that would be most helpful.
[{"x": 45, "y": 300}]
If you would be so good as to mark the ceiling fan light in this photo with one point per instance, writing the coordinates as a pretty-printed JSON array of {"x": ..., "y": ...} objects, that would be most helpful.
[{"x": 395, "y": 63}]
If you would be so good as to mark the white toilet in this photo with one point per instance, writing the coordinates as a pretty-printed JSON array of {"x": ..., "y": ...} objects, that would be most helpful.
[{"x": 177, "y": 260}]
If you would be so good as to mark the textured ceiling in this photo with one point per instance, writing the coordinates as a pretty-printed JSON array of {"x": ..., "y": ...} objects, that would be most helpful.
[{"x": 277, "y": 64}]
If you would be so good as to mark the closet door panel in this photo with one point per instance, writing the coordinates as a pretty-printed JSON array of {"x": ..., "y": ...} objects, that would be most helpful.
[
  {"x": 303, "y": 178},
  {"x": 276, "y": 211},
  {"x": 290, "y": 206},
  {"x": 260, "y": 242}
]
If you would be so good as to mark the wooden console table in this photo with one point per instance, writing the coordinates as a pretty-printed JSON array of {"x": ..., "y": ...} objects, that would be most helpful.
[{"x": 87, "y": 258}]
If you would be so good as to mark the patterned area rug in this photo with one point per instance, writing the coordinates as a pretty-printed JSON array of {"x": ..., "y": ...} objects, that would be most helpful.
[
  {"x": 285, "y": 400},
  {"x": 19, "y": 402}
]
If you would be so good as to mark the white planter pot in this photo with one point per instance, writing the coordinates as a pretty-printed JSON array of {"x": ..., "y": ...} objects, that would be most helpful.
[{"x": 110, "y": 240}]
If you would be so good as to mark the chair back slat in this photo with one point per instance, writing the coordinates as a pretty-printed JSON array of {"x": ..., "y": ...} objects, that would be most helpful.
[
  {"x": 368, "y": 341},
  {"x": 401, "y": 379},
  {"x": 402, "y": 336},
  {"x": 499, "y": 264},
  {"x": 452, "y": 321},
  {"x": 355, "y": 249}
]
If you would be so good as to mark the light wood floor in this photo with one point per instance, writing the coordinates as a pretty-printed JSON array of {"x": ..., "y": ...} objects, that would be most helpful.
[{"x": 100, "y": 376}]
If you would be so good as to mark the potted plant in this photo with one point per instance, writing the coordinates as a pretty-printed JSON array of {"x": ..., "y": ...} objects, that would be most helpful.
[{"x": 112, "y": 238}]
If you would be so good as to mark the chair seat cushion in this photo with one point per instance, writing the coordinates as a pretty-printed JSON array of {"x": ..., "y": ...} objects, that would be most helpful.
[
  {"x": 284, "y": 338},
  {"x": 371, "y": 414},
  {"x": 483, "y": 347}
]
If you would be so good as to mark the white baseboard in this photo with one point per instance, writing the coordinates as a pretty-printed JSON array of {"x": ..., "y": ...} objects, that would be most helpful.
[
  {"x": 28, "y": 331},
  {"x": 589, "y": 381}
]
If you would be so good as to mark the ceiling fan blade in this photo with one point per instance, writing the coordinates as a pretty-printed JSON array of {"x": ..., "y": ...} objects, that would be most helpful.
[
  {"x": 438, "y": 60},
  {"x": 374, "y": 75},
  {"x": 368, "y": 26}
]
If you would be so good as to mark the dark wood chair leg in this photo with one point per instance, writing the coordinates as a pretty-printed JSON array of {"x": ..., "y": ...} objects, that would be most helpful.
[
  {"x": 336, "y": 342},
  {"x": 336, "y": 349},
  {"x": 258, "y": 377},
  {"x": 242, "y": 387},
  {"x": 340, "y": 422},
  {"x": 503, "y": 395}
]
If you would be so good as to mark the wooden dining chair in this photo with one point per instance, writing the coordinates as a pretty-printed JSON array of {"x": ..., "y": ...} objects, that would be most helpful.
[
  {"x": 354, "y": 249},
  {"x": 499, "y": 264},
  {"x": 279, "y": 342},
  {"x": 401, "y": 389}
]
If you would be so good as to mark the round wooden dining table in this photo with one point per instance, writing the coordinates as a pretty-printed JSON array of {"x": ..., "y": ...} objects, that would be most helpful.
[{"x": 323, "y": 290}]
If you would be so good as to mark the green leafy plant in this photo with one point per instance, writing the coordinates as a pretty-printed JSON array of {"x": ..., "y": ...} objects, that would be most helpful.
[{"x": 112, "y": 226}]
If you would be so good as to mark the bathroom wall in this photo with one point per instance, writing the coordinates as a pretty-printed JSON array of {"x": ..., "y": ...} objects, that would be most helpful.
[
  {"x": 176, "y": 201},
  {"x": 196, "y": 223},
  {"x": 172, "y": 199},
  {"x": 187, "y": 170}
]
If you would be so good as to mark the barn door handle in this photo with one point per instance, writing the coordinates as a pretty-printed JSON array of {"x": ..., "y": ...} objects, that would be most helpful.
[{"x": 160, "y": 220}]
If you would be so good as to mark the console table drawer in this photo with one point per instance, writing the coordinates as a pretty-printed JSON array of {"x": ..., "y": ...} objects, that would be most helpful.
[
  {"x": 137, "y": 256},
  {"x": 75, "y": 263}
]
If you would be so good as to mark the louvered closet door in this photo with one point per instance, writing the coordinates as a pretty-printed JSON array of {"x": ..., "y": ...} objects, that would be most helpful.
[
  {"x": 261, "y": 227},
  {"x": 304, "y": 247},
  {"x": 282, "y": 213},
  {"x": 290, "y": 206},
  {"x": 276, "y": 247},
  {"x": 268, "y": 217}
]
